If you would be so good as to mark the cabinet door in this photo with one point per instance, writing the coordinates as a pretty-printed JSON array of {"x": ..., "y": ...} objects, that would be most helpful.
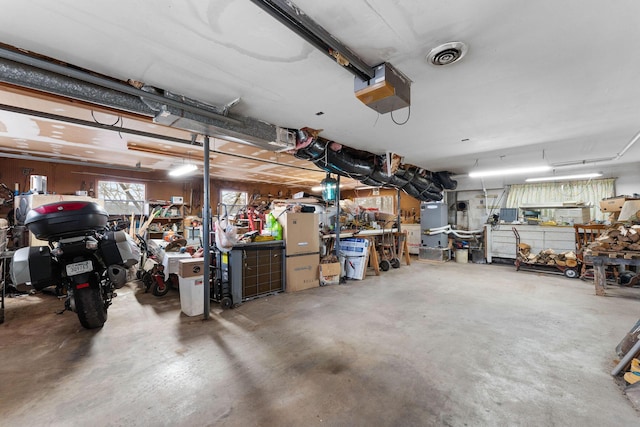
[{"x": 413, "y": 237}]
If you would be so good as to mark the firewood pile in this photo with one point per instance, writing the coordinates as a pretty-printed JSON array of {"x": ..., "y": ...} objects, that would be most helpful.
[
  {"x": 619, "y": 238},
  {"x": 547, "y": 257}
]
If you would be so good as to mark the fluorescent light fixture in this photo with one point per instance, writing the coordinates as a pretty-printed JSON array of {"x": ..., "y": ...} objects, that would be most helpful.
[
  {"x": 561, "y": 177},
  {"x": 514, "y": 171},
  {"x": 183, "y": 170}
]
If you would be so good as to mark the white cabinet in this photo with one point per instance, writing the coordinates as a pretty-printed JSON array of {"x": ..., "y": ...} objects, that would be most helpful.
[
  {"x": 501, "y": 240},
  {"x": 413, "y": 237}
]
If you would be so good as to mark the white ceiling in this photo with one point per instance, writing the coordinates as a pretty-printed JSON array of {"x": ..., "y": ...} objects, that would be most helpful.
[{"x": 543, "y": 82}]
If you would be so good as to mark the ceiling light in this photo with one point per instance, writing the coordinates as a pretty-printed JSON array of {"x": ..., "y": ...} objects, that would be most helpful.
[
  {"x": 183, "y": 169},
  {"x": 514, "y": 171},
  {"x": 563, "y": 177},
  {"x": 329, "y": 188}
]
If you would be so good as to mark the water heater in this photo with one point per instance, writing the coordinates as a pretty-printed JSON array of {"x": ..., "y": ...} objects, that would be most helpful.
[{"x": 38, "y": 184}]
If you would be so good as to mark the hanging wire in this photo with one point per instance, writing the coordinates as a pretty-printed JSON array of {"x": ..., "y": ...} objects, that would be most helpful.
[
  {"x": 403, "y": 123},
  {"x": 118, "y": 120}
]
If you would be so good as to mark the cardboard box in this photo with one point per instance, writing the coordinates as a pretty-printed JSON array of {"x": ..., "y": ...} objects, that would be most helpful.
[
  {"x": 300, "y": 233},
  {"x": 191, "y": 267},
  {"x": 613, "y": 204},
  {"x": 302, "y": 272},
  {"x": 192, "y": 295},
  {"x": 330, "y": 273}
]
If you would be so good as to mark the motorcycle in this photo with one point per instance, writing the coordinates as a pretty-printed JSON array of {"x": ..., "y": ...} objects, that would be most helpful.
[{"x": 84, "y": 259}]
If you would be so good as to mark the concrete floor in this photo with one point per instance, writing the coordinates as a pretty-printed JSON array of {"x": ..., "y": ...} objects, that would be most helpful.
[{"x": 448, "y": 344}]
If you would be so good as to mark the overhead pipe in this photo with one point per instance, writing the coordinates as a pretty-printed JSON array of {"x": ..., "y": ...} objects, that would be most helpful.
[
  {"x": 618, "y": 156},
  {"x": 107, "y": 83},
  {"x": 19, "y": 69}
]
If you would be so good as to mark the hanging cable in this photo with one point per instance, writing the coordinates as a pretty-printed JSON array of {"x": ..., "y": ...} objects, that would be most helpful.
[{"x": 405, "y": 122}]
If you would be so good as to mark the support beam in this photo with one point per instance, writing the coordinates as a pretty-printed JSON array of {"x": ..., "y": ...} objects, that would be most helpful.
[{"x": 206, "y": 222}]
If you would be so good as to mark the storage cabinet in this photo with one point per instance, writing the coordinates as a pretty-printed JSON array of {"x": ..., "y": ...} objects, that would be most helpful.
[
  {"x": 250, "y": 270},
  {"x": 413, "y": 237},
  {"x": 501, "y": 240}
]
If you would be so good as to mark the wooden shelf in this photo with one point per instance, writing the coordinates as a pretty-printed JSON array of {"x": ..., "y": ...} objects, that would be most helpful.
[{"x": 168, "y": 216}]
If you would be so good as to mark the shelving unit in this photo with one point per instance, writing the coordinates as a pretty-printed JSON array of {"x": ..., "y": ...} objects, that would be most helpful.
[{"x": 169, "y": 215}]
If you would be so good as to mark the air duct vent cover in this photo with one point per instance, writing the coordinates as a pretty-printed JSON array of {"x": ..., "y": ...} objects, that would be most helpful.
[{"x": 447, "y": 53}]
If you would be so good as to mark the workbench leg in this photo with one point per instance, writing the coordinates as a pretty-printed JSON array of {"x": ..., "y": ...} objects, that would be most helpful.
[
  {"x": 405, "y": 248},
  {"x": 373, "y": 256},
  {"x": 599, "y": 277}
]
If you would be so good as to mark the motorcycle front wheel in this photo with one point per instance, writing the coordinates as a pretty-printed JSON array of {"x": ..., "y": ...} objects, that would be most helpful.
[{"x": 90, "y": 307}]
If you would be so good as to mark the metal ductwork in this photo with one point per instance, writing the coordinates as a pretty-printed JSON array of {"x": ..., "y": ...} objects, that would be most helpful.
[{"x": 23, "y": 70}]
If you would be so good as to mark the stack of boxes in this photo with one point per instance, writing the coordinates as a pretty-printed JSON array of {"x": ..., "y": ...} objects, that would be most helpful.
[
  {"x": 614, "y": 206},
  {"x": 302, "y": 250}
]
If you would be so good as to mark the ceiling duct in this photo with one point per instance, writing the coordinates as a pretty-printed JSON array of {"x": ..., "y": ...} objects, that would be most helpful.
[{"x": 165, "y": 108}]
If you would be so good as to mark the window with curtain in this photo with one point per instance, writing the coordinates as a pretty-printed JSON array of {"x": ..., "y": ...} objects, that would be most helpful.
[{"x": 556, "y": 193}]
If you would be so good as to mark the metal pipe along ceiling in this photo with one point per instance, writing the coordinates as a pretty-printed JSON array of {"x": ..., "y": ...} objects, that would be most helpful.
[{"x": 22, "y": 70}]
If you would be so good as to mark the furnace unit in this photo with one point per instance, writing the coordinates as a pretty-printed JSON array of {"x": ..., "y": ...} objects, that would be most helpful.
[{"x": 433, "y": 215}]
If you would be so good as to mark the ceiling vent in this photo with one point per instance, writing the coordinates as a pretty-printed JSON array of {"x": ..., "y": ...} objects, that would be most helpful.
[{"x": 447, "y": 53}]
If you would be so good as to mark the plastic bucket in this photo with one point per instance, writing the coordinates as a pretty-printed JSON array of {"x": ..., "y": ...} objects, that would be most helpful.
[{"x": 462, "y": 256}]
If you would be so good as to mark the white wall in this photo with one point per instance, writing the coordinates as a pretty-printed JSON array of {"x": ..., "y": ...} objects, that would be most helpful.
[
  {"x": 481, "y": 206},
  {"x": 628, "y": 181}
]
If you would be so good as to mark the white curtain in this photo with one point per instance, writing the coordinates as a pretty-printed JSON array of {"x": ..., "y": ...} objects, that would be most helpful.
[{"x": 554, "y": 193}]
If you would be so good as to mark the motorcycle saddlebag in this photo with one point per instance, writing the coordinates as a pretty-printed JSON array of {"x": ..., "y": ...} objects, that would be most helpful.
[
  {"x": 118, "y": 248},
  {"x": 33, "y": 265},
  {"x": 71, "y": 218}
]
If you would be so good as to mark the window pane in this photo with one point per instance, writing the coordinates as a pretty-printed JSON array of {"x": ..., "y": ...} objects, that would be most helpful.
[
  {"x": 122, "y": 198},
  {"x": 233, "y": 202}
]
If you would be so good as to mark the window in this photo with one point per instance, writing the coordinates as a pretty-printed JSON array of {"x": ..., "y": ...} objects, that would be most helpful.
[
  {"x": 552, "y": 193},
  {"x": 382, "y": 203},
  {"x": 122, "y": 198},
  {"x": 232, "y": 202}
]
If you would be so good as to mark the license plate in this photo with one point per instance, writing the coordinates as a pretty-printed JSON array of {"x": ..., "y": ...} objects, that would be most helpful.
[{"x": 79, "y": 268}]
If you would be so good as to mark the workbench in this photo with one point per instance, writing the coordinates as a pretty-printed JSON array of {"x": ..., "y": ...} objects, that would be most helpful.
[
  {"x": 372, "y": 235},
  {"x": 600, "y": 262}
]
